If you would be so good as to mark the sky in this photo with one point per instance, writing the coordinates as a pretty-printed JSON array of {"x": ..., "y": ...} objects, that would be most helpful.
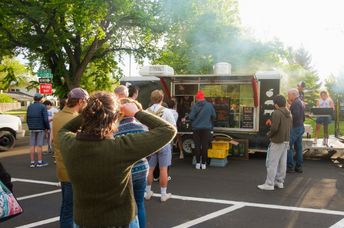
[{"x": 316, "y": 25}]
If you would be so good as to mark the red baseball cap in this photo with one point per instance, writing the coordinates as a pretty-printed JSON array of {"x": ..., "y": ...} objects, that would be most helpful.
[{"x": 200, "y": 95}]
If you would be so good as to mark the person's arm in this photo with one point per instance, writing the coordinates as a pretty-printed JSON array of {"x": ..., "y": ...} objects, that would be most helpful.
[
  {"x": 275, "y": 125},
  {"x": 45, "y": 118},
  {"x": 137, "y": 146},
  {"x": 69, "y": 128},
  {"x": 193, "y": 112}
]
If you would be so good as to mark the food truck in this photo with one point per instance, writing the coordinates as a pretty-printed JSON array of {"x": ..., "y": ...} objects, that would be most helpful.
[{"x": 243, "y": 103}]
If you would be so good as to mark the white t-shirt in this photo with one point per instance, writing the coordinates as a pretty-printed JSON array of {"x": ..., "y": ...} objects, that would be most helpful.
[
  {"x": 167, "y": 113},
  {"x": 51, "y": 113}
]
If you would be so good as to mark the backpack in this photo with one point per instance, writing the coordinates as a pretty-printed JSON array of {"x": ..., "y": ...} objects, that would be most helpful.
[{"x": 159, "y": 112}]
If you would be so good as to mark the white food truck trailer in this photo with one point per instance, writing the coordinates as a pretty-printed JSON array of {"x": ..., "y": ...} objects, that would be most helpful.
[{"x": 243, "y": 103}]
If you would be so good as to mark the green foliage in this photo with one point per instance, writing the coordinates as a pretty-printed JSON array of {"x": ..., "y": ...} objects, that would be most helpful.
[
  {"x": 66, "y": 35},
  {"x": 5, "y": 99},
  {"x": 12, "y": 73},
  {"x": 335, "y": 87},
  {"x": 205, "y": 32}
]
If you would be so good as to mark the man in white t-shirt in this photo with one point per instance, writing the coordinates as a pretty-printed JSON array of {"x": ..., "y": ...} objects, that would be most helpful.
[
  {"x": 164, "y": 156},
  {"x": 51, "y": 111}
]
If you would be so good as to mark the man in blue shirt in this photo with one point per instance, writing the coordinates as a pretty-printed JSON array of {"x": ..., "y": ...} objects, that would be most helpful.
[
  {"x": 298, "y": 113},
  {"x": 38, "y": 123}
]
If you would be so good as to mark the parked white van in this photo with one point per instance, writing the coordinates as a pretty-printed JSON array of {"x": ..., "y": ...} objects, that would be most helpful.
[{"x": 10, "y": 129}]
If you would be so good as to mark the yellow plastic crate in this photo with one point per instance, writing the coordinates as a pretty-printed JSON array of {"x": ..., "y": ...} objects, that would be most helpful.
[
  {"x": 216, "y": 153},
  {"x": 221, "y": 145}
]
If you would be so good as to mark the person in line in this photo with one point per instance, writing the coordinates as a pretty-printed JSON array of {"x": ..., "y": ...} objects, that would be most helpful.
[
  {"x": 129, "y": 125},
  {"x": 164, "y": 156},
  {"x": 295, "y": 144},
  {"x": 324, "y": 102},
  {"x": 133, "y": 92},
  {"x": 279, "y": 134},
  {"x": 51, "y": 112},
  {"x": 38, "y": 124},
  {"x": 99, "y": 165},
  {"x": 202, "y": 118},
  {"x": 301, "y": 87},
  {"x": 121, "y": 91},
  {"x": 76, "y": 102}
]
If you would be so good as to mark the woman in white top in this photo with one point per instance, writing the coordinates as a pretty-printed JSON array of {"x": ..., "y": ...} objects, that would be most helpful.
[{"x": 324, "y": 102}]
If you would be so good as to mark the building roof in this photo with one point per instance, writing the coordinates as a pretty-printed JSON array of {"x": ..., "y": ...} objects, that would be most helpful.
[{"x": 19, "y": 96}]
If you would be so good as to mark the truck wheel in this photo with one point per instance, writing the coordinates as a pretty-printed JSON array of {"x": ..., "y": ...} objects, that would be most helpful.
[
  {"x": 187, "y": 144},
  {"x": 7, "y": 140}
]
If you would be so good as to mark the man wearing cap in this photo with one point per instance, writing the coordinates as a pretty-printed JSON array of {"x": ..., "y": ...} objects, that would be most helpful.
[
  {"x": 76, "y": 101},
  {"x": 38, "y": 124},
  {"x": 202, "y": 117},
  {"x": 300, "y": 87}
]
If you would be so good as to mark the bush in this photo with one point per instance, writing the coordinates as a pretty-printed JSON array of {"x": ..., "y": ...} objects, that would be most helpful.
[{"x": 5, "y": 99}]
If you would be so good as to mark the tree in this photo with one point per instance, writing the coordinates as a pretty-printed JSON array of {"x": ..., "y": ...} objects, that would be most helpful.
[
  {"x": 13, "y": 73},
  {"x": 67, "y": 35},
  {"x": 209, "y": 31}
]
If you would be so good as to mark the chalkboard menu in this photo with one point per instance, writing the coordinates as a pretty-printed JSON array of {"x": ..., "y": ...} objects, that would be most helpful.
[{"x": 247, "y": 117}]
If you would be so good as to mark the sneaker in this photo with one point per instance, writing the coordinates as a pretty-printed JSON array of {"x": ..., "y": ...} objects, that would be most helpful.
[
  {"x": 198, "y": 166},
  {"x": 266, "y": 187},
  {"x": 169, "y": 178},
  {"x": 279, "y": 185},
  {"x": 41, "y": 164},
  {"x": 181, "y": 156},
  {"x": 148, "y": 195},
  {"x": 290, "y": 170},
  {"x": 32, "y": 165},
  {"x": 155, "y": 179},
  {"x": 298, "y": 169},
  {"x": 204, "y": 166},
  {"x": 165, "y": 197}
]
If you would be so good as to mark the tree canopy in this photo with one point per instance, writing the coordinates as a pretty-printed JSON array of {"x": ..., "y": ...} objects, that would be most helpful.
[{"x": 67, "y": 35}]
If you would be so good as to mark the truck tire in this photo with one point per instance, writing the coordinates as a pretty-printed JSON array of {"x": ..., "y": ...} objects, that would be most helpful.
[
  {"x": 7, "y": 140},
  {"x": 187, "y": 144}
]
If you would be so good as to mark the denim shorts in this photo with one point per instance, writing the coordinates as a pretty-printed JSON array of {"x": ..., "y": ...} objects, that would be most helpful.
[
  {"x": 164, "y": 157},
  {"x": 37, "y": 138}
]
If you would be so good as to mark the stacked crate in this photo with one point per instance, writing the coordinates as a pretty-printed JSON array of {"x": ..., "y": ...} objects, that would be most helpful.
[{"x": 219, "y": 153}]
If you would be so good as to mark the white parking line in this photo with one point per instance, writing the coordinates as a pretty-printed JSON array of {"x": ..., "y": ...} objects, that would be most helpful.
[
  {"x": 209, "y": 216},
  {"x": 35, "y": 181},
  {"x": 260, "y": 205},
  {"x": 39, "y": 223},
  {"x": 38, "y": 195},
  {"x": 339, "y": 224}
]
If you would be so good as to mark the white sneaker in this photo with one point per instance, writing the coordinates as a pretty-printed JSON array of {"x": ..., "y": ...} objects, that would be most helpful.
[
  {"x": 198, "y": 166},
  {"x": 148, "y": 195},
  {"x": 204, "y": 166},
  {"x": 181, "y": 156},
  {"x": 266, "y": 187},
  {"x": 279, "y": 185},
  {"x": 165, "y": 197}
]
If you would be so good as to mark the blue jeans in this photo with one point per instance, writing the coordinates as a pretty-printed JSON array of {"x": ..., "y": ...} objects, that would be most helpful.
[
  {"x": 66, "y": 213},
  {"x": 139, "y": 185},
  {"x": 295, "y": 144}
]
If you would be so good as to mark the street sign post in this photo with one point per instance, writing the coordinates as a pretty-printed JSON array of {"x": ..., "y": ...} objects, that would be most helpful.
[
  {"x": 46, "y": 73},
  {"x": 46, "y": 88}
]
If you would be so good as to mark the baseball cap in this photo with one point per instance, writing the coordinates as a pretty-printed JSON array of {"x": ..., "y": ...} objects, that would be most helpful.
[
  {"x": 78, "y": 93},
  {"x": 38, "y": 96}
]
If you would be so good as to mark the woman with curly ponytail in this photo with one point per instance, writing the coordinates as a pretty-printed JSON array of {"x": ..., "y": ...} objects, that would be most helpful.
[{"x": 99, "y": 165}]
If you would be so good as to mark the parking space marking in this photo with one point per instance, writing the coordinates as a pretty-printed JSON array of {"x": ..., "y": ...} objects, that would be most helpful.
[
  {"x": 38, "y": 195},
  {"x": 339, "y": 224},
  {"x": 210, "y": 216},
  {"x": 260, "y": 205},
  {"x": 35, "y": 181},
  {"x": 40, "y": 223}
]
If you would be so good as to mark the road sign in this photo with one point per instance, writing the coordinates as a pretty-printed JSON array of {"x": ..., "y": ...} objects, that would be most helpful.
[
  {"x": 46, "y": 88},
  {"x": 44, "y": 80},
  {"x": 44, "y": 73}
]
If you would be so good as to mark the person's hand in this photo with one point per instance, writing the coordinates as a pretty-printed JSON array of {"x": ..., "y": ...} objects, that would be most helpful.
[{"x": 129, "y": 109}]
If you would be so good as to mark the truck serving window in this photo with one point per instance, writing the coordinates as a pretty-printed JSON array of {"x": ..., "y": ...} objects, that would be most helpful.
[
  {"x": 185, "y": 89},
  {"x": 233, "y": 103}
]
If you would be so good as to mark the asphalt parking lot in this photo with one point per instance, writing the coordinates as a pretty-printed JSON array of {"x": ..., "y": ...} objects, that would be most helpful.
[{"x": 216, "y": 197}]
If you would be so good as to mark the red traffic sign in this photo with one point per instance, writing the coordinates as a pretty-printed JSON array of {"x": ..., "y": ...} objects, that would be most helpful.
[{"x": 46, "y": 88}]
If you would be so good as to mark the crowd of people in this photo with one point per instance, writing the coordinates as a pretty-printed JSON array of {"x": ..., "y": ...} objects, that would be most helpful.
[{"x": 107, "y": 147}]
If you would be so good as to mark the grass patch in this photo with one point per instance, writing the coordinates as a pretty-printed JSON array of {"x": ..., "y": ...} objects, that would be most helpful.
[{"x": 330, "y": 127}]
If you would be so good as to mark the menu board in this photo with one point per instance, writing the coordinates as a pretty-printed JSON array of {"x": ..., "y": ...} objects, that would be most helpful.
[{"x": 247, "y": 117}]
